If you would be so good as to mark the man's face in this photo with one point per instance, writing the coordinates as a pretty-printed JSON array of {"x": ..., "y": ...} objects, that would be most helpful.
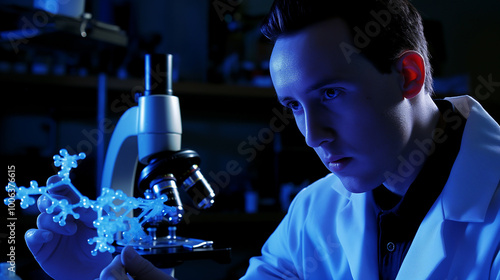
[{"x": 354, "y": 117}]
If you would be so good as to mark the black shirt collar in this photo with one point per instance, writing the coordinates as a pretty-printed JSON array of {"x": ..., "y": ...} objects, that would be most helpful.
[
  {"x": 433, "y": 176},
  {"x": 400, "y": 217}
]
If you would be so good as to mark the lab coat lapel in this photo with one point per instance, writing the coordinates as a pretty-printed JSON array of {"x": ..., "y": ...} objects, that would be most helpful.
[
  {"x": 475, "y": 175},
  {"x": 460, "y": 202},
  {"x": 358, "y": 236},
  {"x": 427, "y": 250}
]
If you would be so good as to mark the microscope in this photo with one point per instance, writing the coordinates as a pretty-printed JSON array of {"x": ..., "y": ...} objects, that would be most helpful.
[{"x": 150, "y": 133}]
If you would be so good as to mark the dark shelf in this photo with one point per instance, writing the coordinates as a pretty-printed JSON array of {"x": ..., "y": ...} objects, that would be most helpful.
[
  {"x": 116, "y": 84},
  {"x": 46, "y": 30}
]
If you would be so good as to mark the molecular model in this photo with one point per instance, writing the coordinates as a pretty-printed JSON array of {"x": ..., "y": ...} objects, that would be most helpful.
[{"x": 112, "y": 207}]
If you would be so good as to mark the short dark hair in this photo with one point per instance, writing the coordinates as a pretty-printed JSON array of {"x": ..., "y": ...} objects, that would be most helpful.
[{"x": 387, "y": 27}]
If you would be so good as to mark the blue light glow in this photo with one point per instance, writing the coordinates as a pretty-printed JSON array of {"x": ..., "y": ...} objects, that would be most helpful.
[{"x": 112, "y": 207}]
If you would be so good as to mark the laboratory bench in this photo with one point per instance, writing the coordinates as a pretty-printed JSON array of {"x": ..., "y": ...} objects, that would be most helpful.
[{"x": 237, "y": 237}]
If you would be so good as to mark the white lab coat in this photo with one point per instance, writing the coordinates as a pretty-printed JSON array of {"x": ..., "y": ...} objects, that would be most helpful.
[{"x": 330, "y": 233}]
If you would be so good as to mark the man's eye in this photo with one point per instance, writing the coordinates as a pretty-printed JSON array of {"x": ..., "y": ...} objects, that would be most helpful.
[
  {"x": 332, "y": 93},
  {"x": 293, "y": 105}
]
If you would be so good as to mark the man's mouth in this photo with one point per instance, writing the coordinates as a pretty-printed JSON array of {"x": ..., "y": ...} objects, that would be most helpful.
[{"x": 337, "y": 164}]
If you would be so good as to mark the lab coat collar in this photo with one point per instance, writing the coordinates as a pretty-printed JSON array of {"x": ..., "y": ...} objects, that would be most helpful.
[
  {"x": 466, "y": 196},
  {"x": 475, "y": 175},
  {"x": 358, "y": 235},
  {"x": 415, "y": 266},
  {"x": 339, "y": 187}
]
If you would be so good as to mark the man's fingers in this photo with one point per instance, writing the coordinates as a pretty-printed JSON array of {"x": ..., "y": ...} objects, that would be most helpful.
[
  {"x": 46, "y": 222},
  {"x": 141, "y": 268},
  {"x": 114, "y": 271},
  {"x": 62, "y": 190},
  {"x": 45, "y": 201},
  {"x": 36, "y": 238},
  {"x": 87, "y": 215}
]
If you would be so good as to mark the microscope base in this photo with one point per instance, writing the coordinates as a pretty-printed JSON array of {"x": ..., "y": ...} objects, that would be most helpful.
[
  {"x": 168, "y": 242},
  {"x": 169, "y": 257}
]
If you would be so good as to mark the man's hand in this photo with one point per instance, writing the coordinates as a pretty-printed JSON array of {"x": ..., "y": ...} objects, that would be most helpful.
[
  {"x": 63, "y": 251},
  {"x": 136, "y": 266}
]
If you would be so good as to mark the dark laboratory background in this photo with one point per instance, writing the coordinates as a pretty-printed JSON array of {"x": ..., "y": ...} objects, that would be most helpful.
[{"x": 66, "y": 78}]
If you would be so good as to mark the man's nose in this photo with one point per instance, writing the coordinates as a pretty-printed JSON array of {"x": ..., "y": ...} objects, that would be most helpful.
[{"x": 317, "y": 128}]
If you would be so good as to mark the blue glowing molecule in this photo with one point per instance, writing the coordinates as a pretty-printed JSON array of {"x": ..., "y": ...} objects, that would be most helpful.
[{"x": 113, "y": 207}]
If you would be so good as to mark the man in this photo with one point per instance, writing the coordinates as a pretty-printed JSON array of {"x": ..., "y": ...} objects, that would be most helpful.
[
  {"x": 414, "y": 190},
  {"x": 414, "y": 186}
]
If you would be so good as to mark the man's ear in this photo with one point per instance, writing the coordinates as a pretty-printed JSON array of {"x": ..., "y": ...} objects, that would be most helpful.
[{"x": 411, "y": 67}]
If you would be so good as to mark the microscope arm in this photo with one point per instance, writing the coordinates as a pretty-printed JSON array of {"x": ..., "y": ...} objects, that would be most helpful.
[
  {"x": 151, "y": 133},
  {"x": 121, "y": 158}
]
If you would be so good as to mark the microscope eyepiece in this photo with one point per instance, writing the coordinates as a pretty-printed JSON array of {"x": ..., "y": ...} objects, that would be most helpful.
[{"x": 158, "y": 74}]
